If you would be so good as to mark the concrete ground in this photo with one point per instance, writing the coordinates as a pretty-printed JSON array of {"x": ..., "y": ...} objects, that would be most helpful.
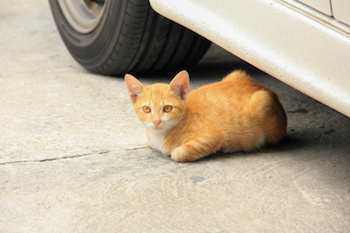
[{"x": 72, "y": 154}]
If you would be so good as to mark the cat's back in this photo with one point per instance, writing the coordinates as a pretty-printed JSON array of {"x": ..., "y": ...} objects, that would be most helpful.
[{"x": 231, "y": 93}]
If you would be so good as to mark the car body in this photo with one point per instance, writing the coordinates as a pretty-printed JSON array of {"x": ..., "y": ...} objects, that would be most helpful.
[{"x": 305, "y": 44}]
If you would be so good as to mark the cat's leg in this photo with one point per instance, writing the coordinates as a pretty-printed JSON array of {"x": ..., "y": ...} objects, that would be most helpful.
[
  {"x": 198, "y": 147},
  {"x": 148, "y": 140}
]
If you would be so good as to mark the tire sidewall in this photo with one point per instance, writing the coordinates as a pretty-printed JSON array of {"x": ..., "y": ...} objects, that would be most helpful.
[{"x": 88, "y": 49}]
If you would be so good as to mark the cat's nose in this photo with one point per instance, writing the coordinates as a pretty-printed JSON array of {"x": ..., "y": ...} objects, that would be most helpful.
[{"x": 156, "y": 122}]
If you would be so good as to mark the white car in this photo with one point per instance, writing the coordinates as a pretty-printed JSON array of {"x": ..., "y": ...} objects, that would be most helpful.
[{"x": 305, "y": 43}]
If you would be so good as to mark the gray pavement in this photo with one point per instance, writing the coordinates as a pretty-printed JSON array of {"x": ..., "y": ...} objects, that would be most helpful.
[{"x": 72, "y": 154}]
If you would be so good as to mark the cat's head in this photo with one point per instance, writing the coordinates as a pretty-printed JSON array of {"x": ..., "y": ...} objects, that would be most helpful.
[{"x": 160, "y": 106}]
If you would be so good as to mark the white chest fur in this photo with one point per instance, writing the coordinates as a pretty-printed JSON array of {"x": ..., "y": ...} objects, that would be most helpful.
[{"x": 155, "y": 140}]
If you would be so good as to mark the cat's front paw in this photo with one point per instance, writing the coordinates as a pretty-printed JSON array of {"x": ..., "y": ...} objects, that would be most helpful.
[
  {"x": 179, "y": 154},
  {"x": 182, "y": 154}
]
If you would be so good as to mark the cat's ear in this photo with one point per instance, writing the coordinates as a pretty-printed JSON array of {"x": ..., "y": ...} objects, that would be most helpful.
[
  {"x": 180, "y": 85},
  {"x": 134, "y": 86}
]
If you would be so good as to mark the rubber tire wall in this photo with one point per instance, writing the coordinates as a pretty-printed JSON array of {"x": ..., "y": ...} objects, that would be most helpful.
[{"x": 131, "y": 38}]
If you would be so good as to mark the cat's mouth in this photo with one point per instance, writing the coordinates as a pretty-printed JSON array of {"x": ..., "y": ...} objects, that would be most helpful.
[{"x": 157, "y": 127}]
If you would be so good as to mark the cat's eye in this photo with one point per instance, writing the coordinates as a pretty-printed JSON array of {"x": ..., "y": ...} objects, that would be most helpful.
[
  {"x": 168, "y": 108},
  {"x": 146, "y": 109}
]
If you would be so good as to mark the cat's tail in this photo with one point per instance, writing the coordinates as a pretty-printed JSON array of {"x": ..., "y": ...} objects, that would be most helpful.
[{"x": 237, "y": 75}]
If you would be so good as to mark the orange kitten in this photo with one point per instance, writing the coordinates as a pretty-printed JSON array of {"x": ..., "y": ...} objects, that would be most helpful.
[{"x": 234, "y": 114}]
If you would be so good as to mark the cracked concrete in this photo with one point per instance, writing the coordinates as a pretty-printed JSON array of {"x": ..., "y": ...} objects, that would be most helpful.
[
  {"x": 72, "y": 154},
  {"x": 52, "y": 159}
]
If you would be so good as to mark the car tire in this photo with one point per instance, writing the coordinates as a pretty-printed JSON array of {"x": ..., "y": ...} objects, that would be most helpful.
[{"x": 124, "y": 36}]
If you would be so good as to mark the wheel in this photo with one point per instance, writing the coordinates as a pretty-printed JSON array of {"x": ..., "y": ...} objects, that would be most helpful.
[{"x": 114, "y": 37}]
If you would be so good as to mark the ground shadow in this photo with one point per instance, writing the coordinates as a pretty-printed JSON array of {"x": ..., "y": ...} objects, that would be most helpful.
[{"x": 212, "y": 67}]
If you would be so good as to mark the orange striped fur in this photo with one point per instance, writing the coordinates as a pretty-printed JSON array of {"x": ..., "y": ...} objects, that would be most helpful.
[{"x": 234, "y": 114}]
